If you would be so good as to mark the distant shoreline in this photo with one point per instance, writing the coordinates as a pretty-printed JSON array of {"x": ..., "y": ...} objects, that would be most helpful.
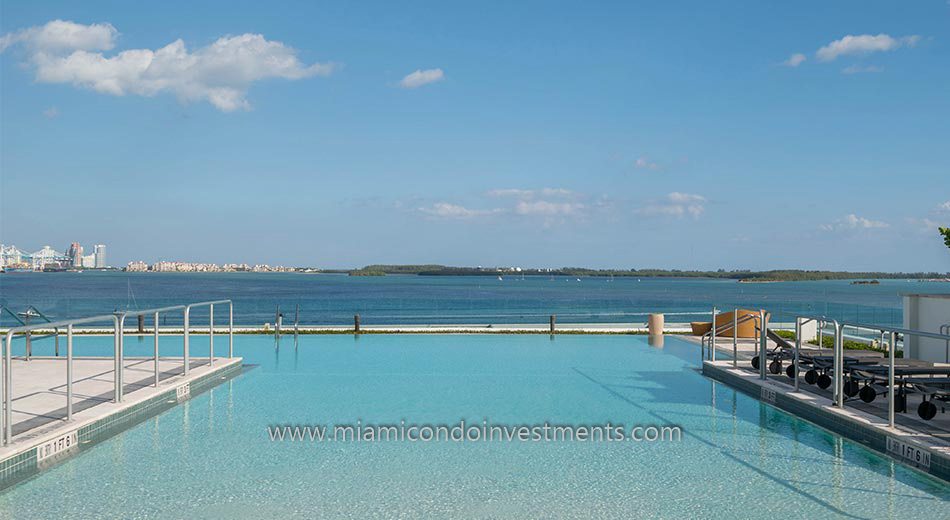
[
  {"x": 742, "y": 276},
  {"x": 739, "y": 276}
]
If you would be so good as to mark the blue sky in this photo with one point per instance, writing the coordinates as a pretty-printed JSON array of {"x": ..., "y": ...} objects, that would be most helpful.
[{"x": 628, "y": 134}]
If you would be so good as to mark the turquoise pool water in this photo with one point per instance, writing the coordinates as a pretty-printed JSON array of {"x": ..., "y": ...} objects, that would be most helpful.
[{"x": 211, "y": 457}]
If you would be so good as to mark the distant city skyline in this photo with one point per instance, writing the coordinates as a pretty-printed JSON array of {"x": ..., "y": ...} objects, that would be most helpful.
[
  {"x": 12, "y": 256},
  {"x": 688, "y": 135}
]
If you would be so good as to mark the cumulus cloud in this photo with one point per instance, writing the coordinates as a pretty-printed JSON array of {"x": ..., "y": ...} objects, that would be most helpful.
[
  {"x": 864, "y": 44},
  {"x": 547, "y": 208},
  {"x": 853, "y": 221},
  {"x": 421, "y": 77},
  {"x": 220, "y": 73},
  {"x": 550, "y": 204},
  {"x": 645, "y": 164},
  {"x": 63, "y": 36},
  {"x": 511, "y": 192},
  {"x": 454, "y": 211},
  {"x": 858, "y": 69},
  {"x": 530, "y": 194},
  {"x": 925, "y": 225},
  {"x": 795, "y": 60},
  {"x": 676, "y": 204}
]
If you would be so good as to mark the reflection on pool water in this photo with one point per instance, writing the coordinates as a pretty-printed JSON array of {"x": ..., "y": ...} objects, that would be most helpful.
[{"x": 211, "y": 456}]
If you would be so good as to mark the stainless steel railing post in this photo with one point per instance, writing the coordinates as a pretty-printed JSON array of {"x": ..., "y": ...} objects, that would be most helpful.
[
  {"x": 115, "y": 344},
  {"x": 798, "y": 347},
  {"x": 230, "y": 329},
  {"x": 945, "y": 329},
  {"x": 763, "y": 345},
  {"x": 155, "y": 332},
  {"x": 7, "y": 390},
  {"x": 735, "y": 338},
  {"x": 69, "y": 372},
  {"x": 120, "y": 374},
  {"x": 839, "y": 366},
  {"x": 712, "y": 349},
  {"x": 211, "y": 334},
  {"x": 890, "y": 380},
  {"x": 185, "y": 353}
]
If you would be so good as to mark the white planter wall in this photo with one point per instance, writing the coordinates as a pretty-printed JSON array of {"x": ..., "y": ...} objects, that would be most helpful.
[{"x": 926, "y": 312}]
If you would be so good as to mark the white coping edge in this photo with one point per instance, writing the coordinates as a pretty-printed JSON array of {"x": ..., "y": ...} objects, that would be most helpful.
[{"x": 26, "y": 443}]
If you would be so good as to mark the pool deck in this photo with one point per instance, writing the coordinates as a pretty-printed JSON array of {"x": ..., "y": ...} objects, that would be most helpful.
[
  {"x": 922, "y": 444},
  {"x": 41, "y": 432}
]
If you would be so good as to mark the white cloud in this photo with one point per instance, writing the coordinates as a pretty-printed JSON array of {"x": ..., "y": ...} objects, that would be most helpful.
[
  {"x": 530, "y": 194},
  {"x": 925, "y": 226},
  {"x": 63, "y": 36},
  {"x": 677, "y": 204},
  {"x": 511, "y": 192},
  {"x": 858, "y": 69},
  {"x": 944, "y": 207},
  {"x": 795, "y": 60},
  {"x": 853, "y": 221},
  {"x": 421, "y": 77},
  {"x": 644, "y": 163},
  {"x": 556, "y": 192},
  {"x": 864, "y": 44},
  {"x": 51, "y": 113},
  {"x": 547, "y": 208},
  {"x": 550, "y": 203},
  {"x": 454, "y": 211},
  {"x": 220, "y": 73}
]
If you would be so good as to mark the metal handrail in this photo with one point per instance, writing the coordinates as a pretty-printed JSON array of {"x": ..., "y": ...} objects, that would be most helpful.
[
  {"x": 945, "y": 329},
  {"x": 837, "y": 353},
  {"x": 120, "y": 337},
  {"x": 728, "y": 326},
  {"x": 7, "y": 385},
  {"x": 118, "y": 324},
  {"x": 210, "y": 305},
  {"x": 898, "y": 330},
  {"x": 894, "y": 332},
  {"x": 716, "y": 330}
]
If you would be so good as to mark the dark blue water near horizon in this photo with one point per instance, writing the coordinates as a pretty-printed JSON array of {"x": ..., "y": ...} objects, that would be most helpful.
[{"x": 326, "y": 299}]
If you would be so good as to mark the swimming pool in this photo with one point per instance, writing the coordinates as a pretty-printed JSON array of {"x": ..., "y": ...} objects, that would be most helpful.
[{"x": 212, "y": 457}]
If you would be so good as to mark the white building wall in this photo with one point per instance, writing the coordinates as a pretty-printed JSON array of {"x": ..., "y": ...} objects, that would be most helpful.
[
  {"x": 926, "y": 312},
  {"x": 100, "y": 254}
]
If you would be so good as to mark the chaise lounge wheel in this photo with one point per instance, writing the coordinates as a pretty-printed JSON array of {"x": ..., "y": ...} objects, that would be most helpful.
[
  {"x": 755, "y": 362},
  {"x": 775, "y": 367},
  {"x": 867, "y": 394},
  {"x": 824, "y": 381},
  {"x": 790, "y": 371},
  {"x": 811, "y": 376},
  {"x": 851, "y": 388},
  {"x": 927, "y": 410}
]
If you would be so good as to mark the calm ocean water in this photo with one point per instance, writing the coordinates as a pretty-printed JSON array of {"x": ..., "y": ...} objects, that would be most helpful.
[{"x": 334, "y": 299}]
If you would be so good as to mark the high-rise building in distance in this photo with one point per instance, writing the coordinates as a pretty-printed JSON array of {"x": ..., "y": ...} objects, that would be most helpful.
[
  {"x": 100, "y": 252},
  {"x": 75, "y": 254}
]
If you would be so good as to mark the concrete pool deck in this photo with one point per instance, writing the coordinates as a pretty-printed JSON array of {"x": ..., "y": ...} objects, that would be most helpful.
[
  {"x": 913, "y": 441},
  {"x": 41, "y": 433}
]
